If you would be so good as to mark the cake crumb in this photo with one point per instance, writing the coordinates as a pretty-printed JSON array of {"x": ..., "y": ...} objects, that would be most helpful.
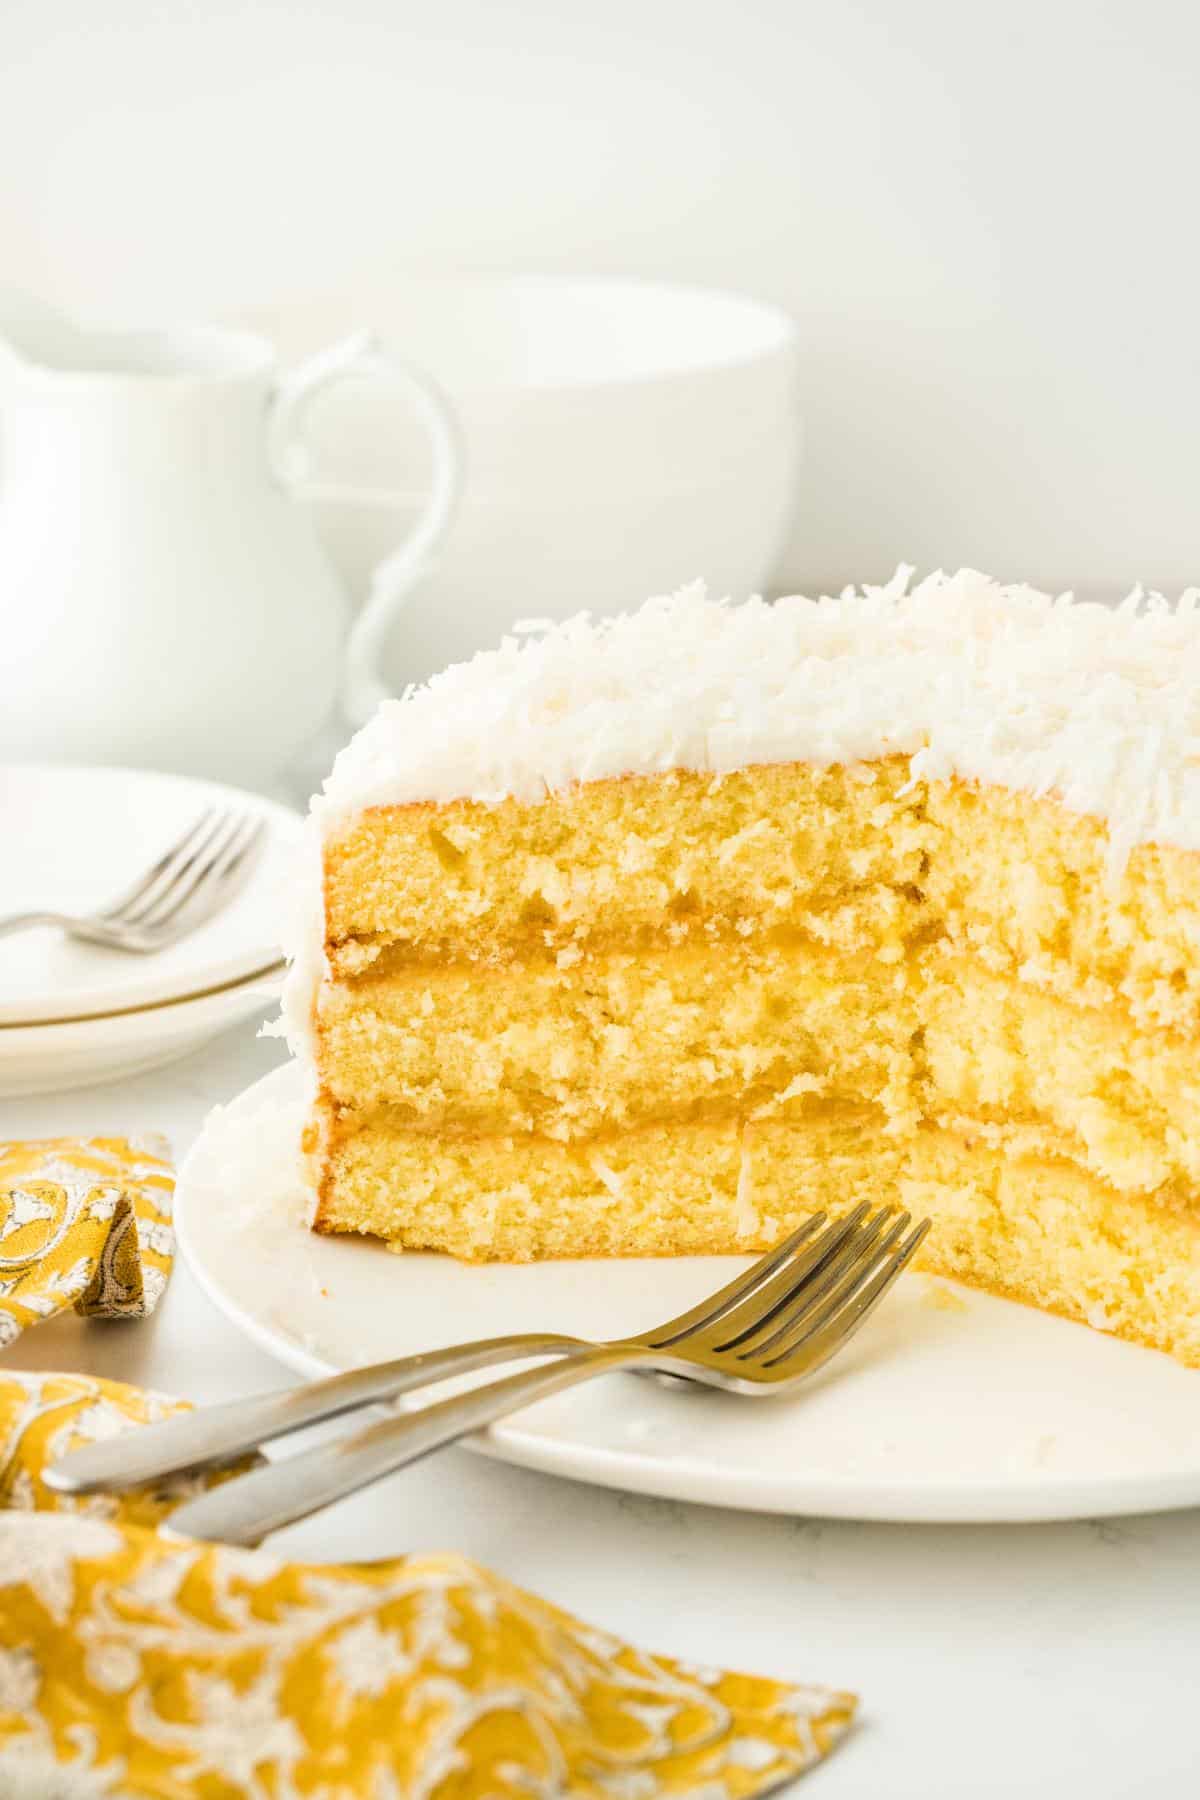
[{"x": 943, "y": 1298}]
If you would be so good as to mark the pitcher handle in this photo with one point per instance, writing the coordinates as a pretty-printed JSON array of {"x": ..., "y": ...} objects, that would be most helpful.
[{"x": 357, "y": 358}]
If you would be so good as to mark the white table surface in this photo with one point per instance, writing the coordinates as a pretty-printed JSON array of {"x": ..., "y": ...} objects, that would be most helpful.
[{"x": 1036, "y": 1660}]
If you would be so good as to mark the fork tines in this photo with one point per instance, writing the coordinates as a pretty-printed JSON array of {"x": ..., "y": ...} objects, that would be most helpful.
[
  {"x": 197, "y": 871},
  {"x": 811, "y": 1296}
]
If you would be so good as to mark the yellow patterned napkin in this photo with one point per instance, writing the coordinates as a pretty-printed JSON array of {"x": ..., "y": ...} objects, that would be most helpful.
[
  {"x": 152, "y": 1670},
  {"x": 84, "y": 1222},
  {"x": 138, "y": 1668}
]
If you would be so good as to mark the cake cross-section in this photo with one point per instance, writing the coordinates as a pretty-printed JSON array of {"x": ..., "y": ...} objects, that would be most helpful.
[{"x": 652, "y": 935}]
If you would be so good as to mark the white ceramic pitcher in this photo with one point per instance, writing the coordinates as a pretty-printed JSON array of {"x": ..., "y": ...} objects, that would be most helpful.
[{"x": 163, "y": 599}]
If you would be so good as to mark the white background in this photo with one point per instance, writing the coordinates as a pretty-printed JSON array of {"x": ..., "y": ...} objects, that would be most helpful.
[{"x": 985, "y": 219}]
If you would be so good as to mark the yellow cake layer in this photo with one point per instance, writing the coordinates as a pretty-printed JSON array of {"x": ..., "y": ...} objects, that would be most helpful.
[
  {"x": 1121, "y": 1100},
  {"x": 1029, "y": 886},
  {"x": 855, "y": 856},
  {"x": 1037, "y": 1230},
  {"x": 616, "y": 1040},
  {"x": 836, "y": 851},
  {"x": 673, "y": 1013}
]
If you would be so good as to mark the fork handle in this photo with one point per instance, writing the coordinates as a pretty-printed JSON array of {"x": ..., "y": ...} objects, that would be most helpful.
[
  {"x": 217, "y": 1434},
  {"x": 282, "y": 1492},
  {"x": 92, "y": 931}
]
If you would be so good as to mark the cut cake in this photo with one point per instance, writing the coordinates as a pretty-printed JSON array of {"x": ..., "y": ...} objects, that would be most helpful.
[{"x": 652, "y": 935}]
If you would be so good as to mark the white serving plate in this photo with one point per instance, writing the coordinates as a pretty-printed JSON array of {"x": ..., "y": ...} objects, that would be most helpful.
[
  {"x": 949, "y": 1406},
  {"x": 75, "y": 838}
]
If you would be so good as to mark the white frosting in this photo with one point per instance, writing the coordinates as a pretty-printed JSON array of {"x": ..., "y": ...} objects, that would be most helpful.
[{"x": 1099, "y": 705}]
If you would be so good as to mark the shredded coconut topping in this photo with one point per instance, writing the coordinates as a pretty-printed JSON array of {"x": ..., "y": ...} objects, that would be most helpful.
[{"x": 1100, "y": 705}]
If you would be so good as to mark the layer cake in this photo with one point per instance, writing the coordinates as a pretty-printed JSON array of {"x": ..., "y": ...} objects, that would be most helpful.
[{"x": 650, "y": 936}]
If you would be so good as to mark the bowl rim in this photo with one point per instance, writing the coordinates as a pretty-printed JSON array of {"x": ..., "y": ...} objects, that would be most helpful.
[{"x": 757, "y": 331}]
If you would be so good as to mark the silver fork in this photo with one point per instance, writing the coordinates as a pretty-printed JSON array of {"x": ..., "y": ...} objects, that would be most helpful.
[
  {"x": 765, "y": 1332},
  {"x": 187, "y": 886}
]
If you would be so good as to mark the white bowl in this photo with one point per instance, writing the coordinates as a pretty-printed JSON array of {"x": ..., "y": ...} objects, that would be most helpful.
[{"x": 622, "y": 437}]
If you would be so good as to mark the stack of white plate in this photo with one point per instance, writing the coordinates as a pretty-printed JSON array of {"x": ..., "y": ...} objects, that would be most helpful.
[{"x": 71, "y": 839}]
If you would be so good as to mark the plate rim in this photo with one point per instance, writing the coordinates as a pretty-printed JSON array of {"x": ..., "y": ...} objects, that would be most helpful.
[
  {"x": 61, "y": 1058},
  {"x": 1044, "y": 1498},
  {"x": 219, "y": 976},
  {"x": 252, "y": 978}
]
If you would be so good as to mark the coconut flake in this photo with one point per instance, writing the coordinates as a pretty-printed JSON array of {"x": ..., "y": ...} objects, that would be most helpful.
[
  {"x": 745, "y": 1213},
  {"x": 608, "y": 1176}
]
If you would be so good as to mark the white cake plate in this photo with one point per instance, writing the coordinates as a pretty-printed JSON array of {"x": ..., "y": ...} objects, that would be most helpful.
[{"x": 949, "y": 1406}]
